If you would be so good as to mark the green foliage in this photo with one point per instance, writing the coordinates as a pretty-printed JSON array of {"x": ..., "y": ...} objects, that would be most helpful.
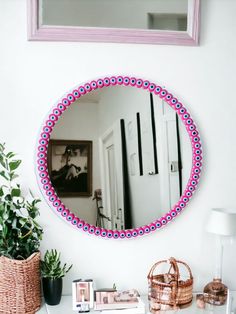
[
  {"x": 51, "y": 265},
  {"x": 20, "y": 234}
]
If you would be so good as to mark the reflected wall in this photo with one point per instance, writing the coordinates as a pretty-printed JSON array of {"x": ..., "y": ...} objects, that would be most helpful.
[{"x": 136, "y": 14}]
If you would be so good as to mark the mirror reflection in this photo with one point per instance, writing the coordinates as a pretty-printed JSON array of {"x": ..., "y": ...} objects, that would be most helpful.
[
  {"x": 119, "y": 157},
  {"x": 146, "y": 14}
]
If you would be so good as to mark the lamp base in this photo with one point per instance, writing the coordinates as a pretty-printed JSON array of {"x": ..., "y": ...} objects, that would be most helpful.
[{"x": 215, "y": 292}]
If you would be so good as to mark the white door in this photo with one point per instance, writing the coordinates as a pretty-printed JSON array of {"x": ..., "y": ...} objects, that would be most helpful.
[{"x": 112, "y": 177}]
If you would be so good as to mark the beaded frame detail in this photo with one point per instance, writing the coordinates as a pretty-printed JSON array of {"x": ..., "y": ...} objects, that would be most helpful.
[{"x": 42, "y": 144}]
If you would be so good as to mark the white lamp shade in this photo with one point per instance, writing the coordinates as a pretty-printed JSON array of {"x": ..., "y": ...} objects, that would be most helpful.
[{"x": 222, "y": 221}]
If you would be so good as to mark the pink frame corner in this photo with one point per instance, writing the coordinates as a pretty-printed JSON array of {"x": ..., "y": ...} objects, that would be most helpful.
[
  {"x": 51, "y": 119},
  {"x": 37, "y": 32}
]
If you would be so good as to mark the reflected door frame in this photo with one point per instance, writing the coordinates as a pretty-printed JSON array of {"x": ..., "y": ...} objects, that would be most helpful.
[
  {"x": 169, "y": 159},
  {"x": 110, "y": 149}
]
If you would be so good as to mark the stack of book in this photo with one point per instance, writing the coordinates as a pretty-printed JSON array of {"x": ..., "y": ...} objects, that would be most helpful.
[{"x": 111, "y": 302}]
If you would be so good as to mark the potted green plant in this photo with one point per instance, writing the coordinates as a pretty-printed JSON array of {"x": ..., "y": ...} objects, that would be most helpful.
[
  {"x": 20, "y": 236},
  {"x": 52, "y": 273}
]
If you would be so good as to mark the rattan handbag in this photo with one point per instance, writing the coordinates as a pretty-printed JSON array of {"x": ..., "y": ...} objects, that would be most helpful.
[
  {"x": 168, "y": 291},
  {"x": 20, "y": 285}
]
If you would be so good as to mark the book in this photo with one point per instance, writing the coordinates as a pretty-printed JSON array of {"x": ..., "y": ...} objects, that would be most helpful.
[
  {"x": 140, "y": 309},
  {"x": 110, "y": 299},
  {"x": 137, "y": 310},
  {"x": 121, "y": 306}
]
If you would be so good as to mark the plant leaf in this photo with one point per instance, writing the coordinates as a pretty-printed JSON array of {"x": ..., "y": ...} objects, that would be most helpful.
[
  {"x": 3, "y": 174},
  {"x": 15, "y": 192},
  {"x": 13, "y": 165},
  {"x": 10, "y": 155},
  {"x": 2, "y": 162},
  {"x": 2, "y": 147}
]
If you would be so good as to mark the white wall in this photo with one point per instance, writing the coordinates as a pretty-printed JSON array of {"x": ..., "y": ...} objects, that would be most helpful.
[
  {"x": 123, "y": 103},
  {"x": 73, "y": 125},
  {"x": 35, "y": 74}
]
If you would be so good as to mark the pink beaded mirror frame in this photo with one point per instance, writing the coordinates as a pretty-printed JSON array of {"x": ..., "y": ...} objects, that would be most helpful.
[{"x": 42, "y": 145}]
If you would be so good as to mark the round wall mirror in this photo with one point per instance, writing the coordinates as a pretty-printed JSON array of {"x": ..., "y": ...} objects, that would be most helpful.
[{"x": 118, "y": 157}]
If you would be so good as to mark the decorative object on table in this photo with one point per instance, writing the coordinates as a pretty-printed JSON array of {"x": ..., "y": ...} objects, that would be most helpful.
[
  {"x": 70, "y": 167},
  {"x": 200, "y": 301},
  {"x": 20, "y": 237},
  {"x": 52, "y": 273},
  {"x": 222, "y": 223},
  {"x": 207, "y": 301},
  {"x": 104, "y": 296},
  {"x": 110, "y": 299},
  {"x": 169, "y": 290},
  {"x": 82, "y": 295},
  {"x": 215, "y": 292}
]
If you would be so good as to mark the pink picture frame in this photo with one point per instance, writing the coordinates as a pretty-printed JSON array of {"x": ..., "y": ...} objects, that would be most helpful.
[
  {"x": 38, "y": 32},
  {"x": 57, "y": 110}
]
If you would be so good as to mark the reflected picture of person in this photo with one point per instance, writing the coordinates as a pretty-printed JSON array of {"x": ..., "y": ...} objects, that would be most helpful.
[{"x": 69, "y": 168}]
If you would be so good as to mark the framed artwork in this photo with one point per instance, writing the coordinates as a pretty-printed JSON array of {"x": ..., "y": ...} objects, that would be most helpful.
[
  {"x": 70, "y": 167},
  {"x": 82, "y": 295}
]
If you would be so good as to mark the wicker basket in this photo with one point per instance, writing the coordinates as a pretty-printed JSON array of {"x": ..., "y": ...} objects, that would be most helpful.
[
  {"x": 20, "y": 285},
  {"x": 167, "y": 291}
]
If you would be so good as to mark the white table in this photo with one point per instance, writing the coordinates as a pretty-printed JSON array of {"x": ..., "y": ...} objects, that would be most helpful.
[{"x": 65, "y": 307}]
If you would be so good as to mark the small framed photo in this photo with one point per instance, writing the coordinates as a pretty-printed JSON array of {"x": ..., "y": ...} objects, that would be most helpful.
[
  {"x": 82, "y": 294},
  {"x": 70, "y": 167}
]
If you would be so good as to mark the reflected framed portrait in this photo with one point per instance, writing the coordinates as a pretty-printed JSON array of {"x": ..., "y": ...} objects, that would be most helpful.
[{"x": 70, "y": 167}]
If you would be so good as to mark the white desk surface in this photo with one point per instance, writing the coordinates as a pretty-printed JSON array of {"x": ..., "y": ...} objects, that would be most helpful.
[{"x": 65, "y": 307}]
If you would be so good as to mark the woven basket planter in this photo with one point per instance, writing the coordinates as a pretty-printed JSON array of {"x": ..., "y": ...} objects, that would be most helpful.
[
  {"x": 20, "y": 291},
  {"x": 168, "y": 291}
]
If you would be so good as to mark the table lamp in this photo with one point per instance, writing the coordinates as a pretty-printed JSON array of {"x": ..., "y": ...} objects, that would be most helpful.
[{"x": 222, "y": 223}]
